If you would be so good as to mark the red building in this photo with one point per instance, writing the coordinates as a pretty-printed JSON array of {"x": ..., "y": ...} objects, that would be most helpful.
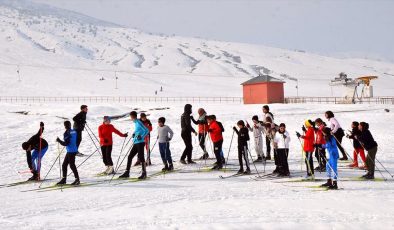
[{"x": 263, "y": 89}]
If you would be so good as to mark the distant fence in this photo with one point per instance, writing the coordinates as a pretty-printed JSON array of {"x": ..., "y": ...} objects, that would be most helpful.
[
  {"x": 218, "y": 100},
  {"x": 338, "y": 100},
  {"x": 119, "y": 99}
]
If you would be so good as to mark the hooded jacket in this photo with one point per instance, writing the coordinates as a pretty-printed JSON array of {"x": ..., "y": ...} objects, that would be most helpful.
[
  {"x": 186, "y": 125},
  {"x": 215, "y": 132}
]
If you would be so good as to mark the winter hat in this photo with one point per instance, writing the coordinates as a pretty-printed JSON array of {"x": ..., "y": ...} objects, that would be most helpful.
[
  {"x": 255, "y": 118},
  {"x": 67, "y": 124},
  {"x": 188, "y": 108},
  {"x": 25, "y": 145},
  {"x": 107, "y": 118},
  {"x": 133, "y": 114},
  {"x": 308, "y": 123}
]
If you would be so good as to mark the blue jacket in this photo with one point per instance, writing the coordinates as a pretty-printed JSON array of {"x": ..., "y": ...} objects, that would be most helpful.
[
  {"x": 331, "y": 146},
  {"x": 70, "y": 141},
  {"x": 140, "y": 132}
]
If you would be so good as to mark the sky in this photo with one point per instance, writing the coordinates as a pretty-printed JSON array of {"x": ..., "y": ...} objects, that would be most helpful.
[{"x": 348, "y": 28}]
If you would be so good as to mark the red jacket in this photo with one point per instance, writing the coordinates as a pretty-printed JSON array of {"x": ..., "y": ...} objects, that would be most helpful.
[
  {"x": 319, "y": 136},
  {"x": 215, "y": 132},
  {"x": 309, "y": 140},
  {"x": 105, "y": 134}
]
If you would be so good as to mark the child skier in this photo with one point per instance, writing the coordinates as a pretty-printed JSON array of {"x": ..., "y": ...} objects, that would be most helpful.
[
  {"x": 140, "y": 132},
  {"x": 308, "y": 146},
  {"x": 105, "y": 134},
  {"x": 79, "y": 124},
  {"x": 243, "y": 138},
  {"x": 164, "y": 136},
  {"x": 320, "y": 152},
  {"x": 215, "y": 132},
  {"x": 202, "y": 131},
  {"x": 358, "y": 148},
  {"x": 148, "y": 125},
  {"x": 268, "y": 117},
  {"x": 70, "y": 141},
  {"x": 332, "y": 164},
  {"x": 258, "y": 131},
  {"x": 367, "y": 141},
  {"x": 338, "y": 133},
  {"x": 281, "y": 143},
  {"x": 39, "y": 146}
]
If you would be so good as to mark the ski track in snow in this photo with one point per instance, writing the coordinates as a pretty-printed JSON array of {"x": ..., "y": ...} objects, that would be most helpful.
[{"x": 199, "y": 200}]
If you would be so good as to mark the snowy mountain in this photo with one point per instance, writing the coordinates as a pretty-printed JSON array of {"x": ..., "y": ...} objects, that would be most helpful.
[{"x": 53, "y": 47}]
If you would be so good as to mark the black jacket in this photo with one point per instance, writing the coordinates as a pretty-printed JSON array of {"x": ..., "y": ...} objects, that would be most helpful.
[
  {"x": 79, "y": 121},
  {"x": 243, "y": 136},
  {"x": 186, "y": 124},
  {"x": 356, "y": 143},
  {"x": 34, "y": 141},
  {"x": 366, "y": 139}
]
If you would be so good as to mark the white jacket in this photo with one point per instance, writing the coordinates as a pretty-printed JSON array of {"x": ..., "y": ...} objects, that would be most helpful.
[
  {"x": 334, "y": 125},
  {"x": 282, "y": 143},
  {"x": 257, "y": 130}
]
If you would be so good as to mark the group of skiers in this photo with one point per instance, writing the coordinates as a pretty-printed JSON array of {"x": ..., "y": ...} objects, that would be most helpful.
[{"x": 317, "y": 138}]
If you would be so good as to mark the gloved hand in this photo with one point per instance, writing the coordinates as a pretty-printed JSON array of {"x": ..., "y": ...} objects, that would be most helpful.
[
  {"x": 298, "y": 134},
  {"x": 139, "y": 137},
  {"x": 57, "y": 139},
  {"x": 284, "y": 136},
  {"x": 235, "y": 129},
  {"x": 41, "y": 124},
  {"x": 303, "y": 129},
  {"x": 247, "y": 125},
  {"x": 133, "y": 135},
  {"x": 126, "y": 134},
  {"x": 168, "y": 139}
]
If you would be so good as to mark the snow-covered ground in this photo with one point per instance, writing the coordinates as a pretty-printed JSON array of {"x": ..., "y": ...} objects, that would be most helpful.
[{"x": 188, "y": 199}]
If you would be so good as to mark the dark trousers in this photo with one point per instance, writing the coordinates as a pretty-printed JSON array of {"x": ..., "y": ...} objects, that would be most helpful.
[
  {"x": 283, "y": 165},
  {"x": 29, "y": 160},
  {"x": 79, "y": 137},
  {"x": 339, "y": 135},
  {"x": 201, "y": 138},
  {"x": 107, "y": 151},
  {"x": 276, "y": 158},
  {"x": 137, "y": 149},
  {"x": 165, "y": 153},
  {"x": 268, "y": 144},
  {"x": 243, "y": 153},
  {"x": 217, "y": 149},
  {"x": 187, "y": 139},
  {"x": 309, "y": 163},
  {"x": 371, "y": 160},
  {"x": 69, "y": 159},
  {"x": 320, "y": 155}
]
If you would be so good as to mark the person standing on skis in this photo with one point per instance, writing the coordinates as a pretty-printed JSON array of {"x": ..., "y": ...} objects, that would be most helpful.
[
  {"x": 243, "y": 138},
  {"x": 308, "y": 146},
  {"x": 281, "y": 144},
  {"x": 164, "y": 136},
  {"x": 332, "y": 164},
  {"x": 149, "y": 126},
  {"x": 320, "y": 152},
  {"x": 186, "y": 134},
  {"x": 215, "y": 132},
  {"x": 268, "y": 117},
  {"x": 79, "y": 124},
  {"x": 369, "y": 144},
  {"x": 70, "y": 137},
  {"x": 258, "y": 131},
  {"x": 202, "y": 131},
  {"x": 358, "y": 148},
  {"x": 140, "y": 132},
  {"x": 338, "y": 133},
  {"x": 105, "y": 135},
  {"x": 39, "y": 146}
]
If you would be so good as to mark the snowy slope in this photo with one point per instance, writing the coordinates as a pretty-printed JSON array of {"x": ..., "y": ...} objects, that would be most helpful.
[{"x": 58, "y": 48}]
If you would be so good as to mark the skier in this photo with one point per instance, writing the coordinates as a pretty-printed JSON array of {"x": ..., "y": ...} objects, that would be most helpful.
[
  {"x": 367, "y": 141},
  {"x": 281, "y": 143},
  {"x": 215, "y": 132},
  {"x": 164, "y": 136},
  {"x": 308, "y": 146},
  {"x": 213, "y": 117},
  {"x": 202, "y": 131},
  {"x": 267, "y": 117},
  {"x": 105, "y": 134},
  {"x": 79, "y": 124},
  {"x": 149, "y": 126},
  {"x": 338, "y": 133},
  {"x": 270, "y": 131},
  {"x": 140, "y": 132},
  {"x": 186, "y": 131},
  {"x": 70, "y": 137},
  {"x": 258, "y": 131},
  {"x": 39, "y": 146},
  {"x": 332, "y": 164},
  {"x": 320, "y": 152},
  {"x": 358, "y": 148},
  {"x": 243, "y": 138}
]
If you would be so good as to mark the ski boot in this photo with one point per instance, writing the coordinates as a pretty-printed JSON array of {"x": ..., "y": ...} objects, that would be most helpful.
[
  {"x": 182, "y": 161},
  {"x": 223, "y": 161},
  {"x": 126, "y": 174},
  {"x": 365, "y": 176},
  {"x": 205, "y": 156},
  {"x": 276, "y": 171},
  {"x": 240, "y": 171},
  {"x": 110, "y": 170},
  {"x": 143, "y": 174},
  {"x": 370, "y": 177},
  {"x": 170, "y": 167},
  {"x": 79, "y": 154},
  {"x": 334, "y": 185},
  {"x": 34, "y": 177},
  {"x": 344, "y": 158},
  {"x": 148, "y": 162},
  {"x": 328, "y": 184},
  {"x": 268, "y": 157},
  {"x": 62, "y": 181},
  {"x": 191, "y": 162},
  {"x": 76, "y": 182},
  {"x": 247, "y": 171},
  {"x": 165, "y": 168},
  {"x": 259, "y": 159}
]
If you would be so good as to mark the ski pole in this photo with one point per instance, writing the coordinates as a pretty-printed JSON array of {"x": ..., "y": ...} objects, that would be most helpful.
[
  {"x": 344, "y": 150},
  {"x": 58, "y": 156},
  {"x": 60, "y": 167},
  {"x": 87, "y": 158},
  {"x": 250, "y": 154},
  {"x": 92, "y": 133},
  {"x": 121, "y": 150},
  {"x": 121, "y": 162},
  {"x": 306, "y": 157},
  {"x": 383, "y": 167},
  {"x": 94, "y": 143},
  {"x": 229, "y": 149}
]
